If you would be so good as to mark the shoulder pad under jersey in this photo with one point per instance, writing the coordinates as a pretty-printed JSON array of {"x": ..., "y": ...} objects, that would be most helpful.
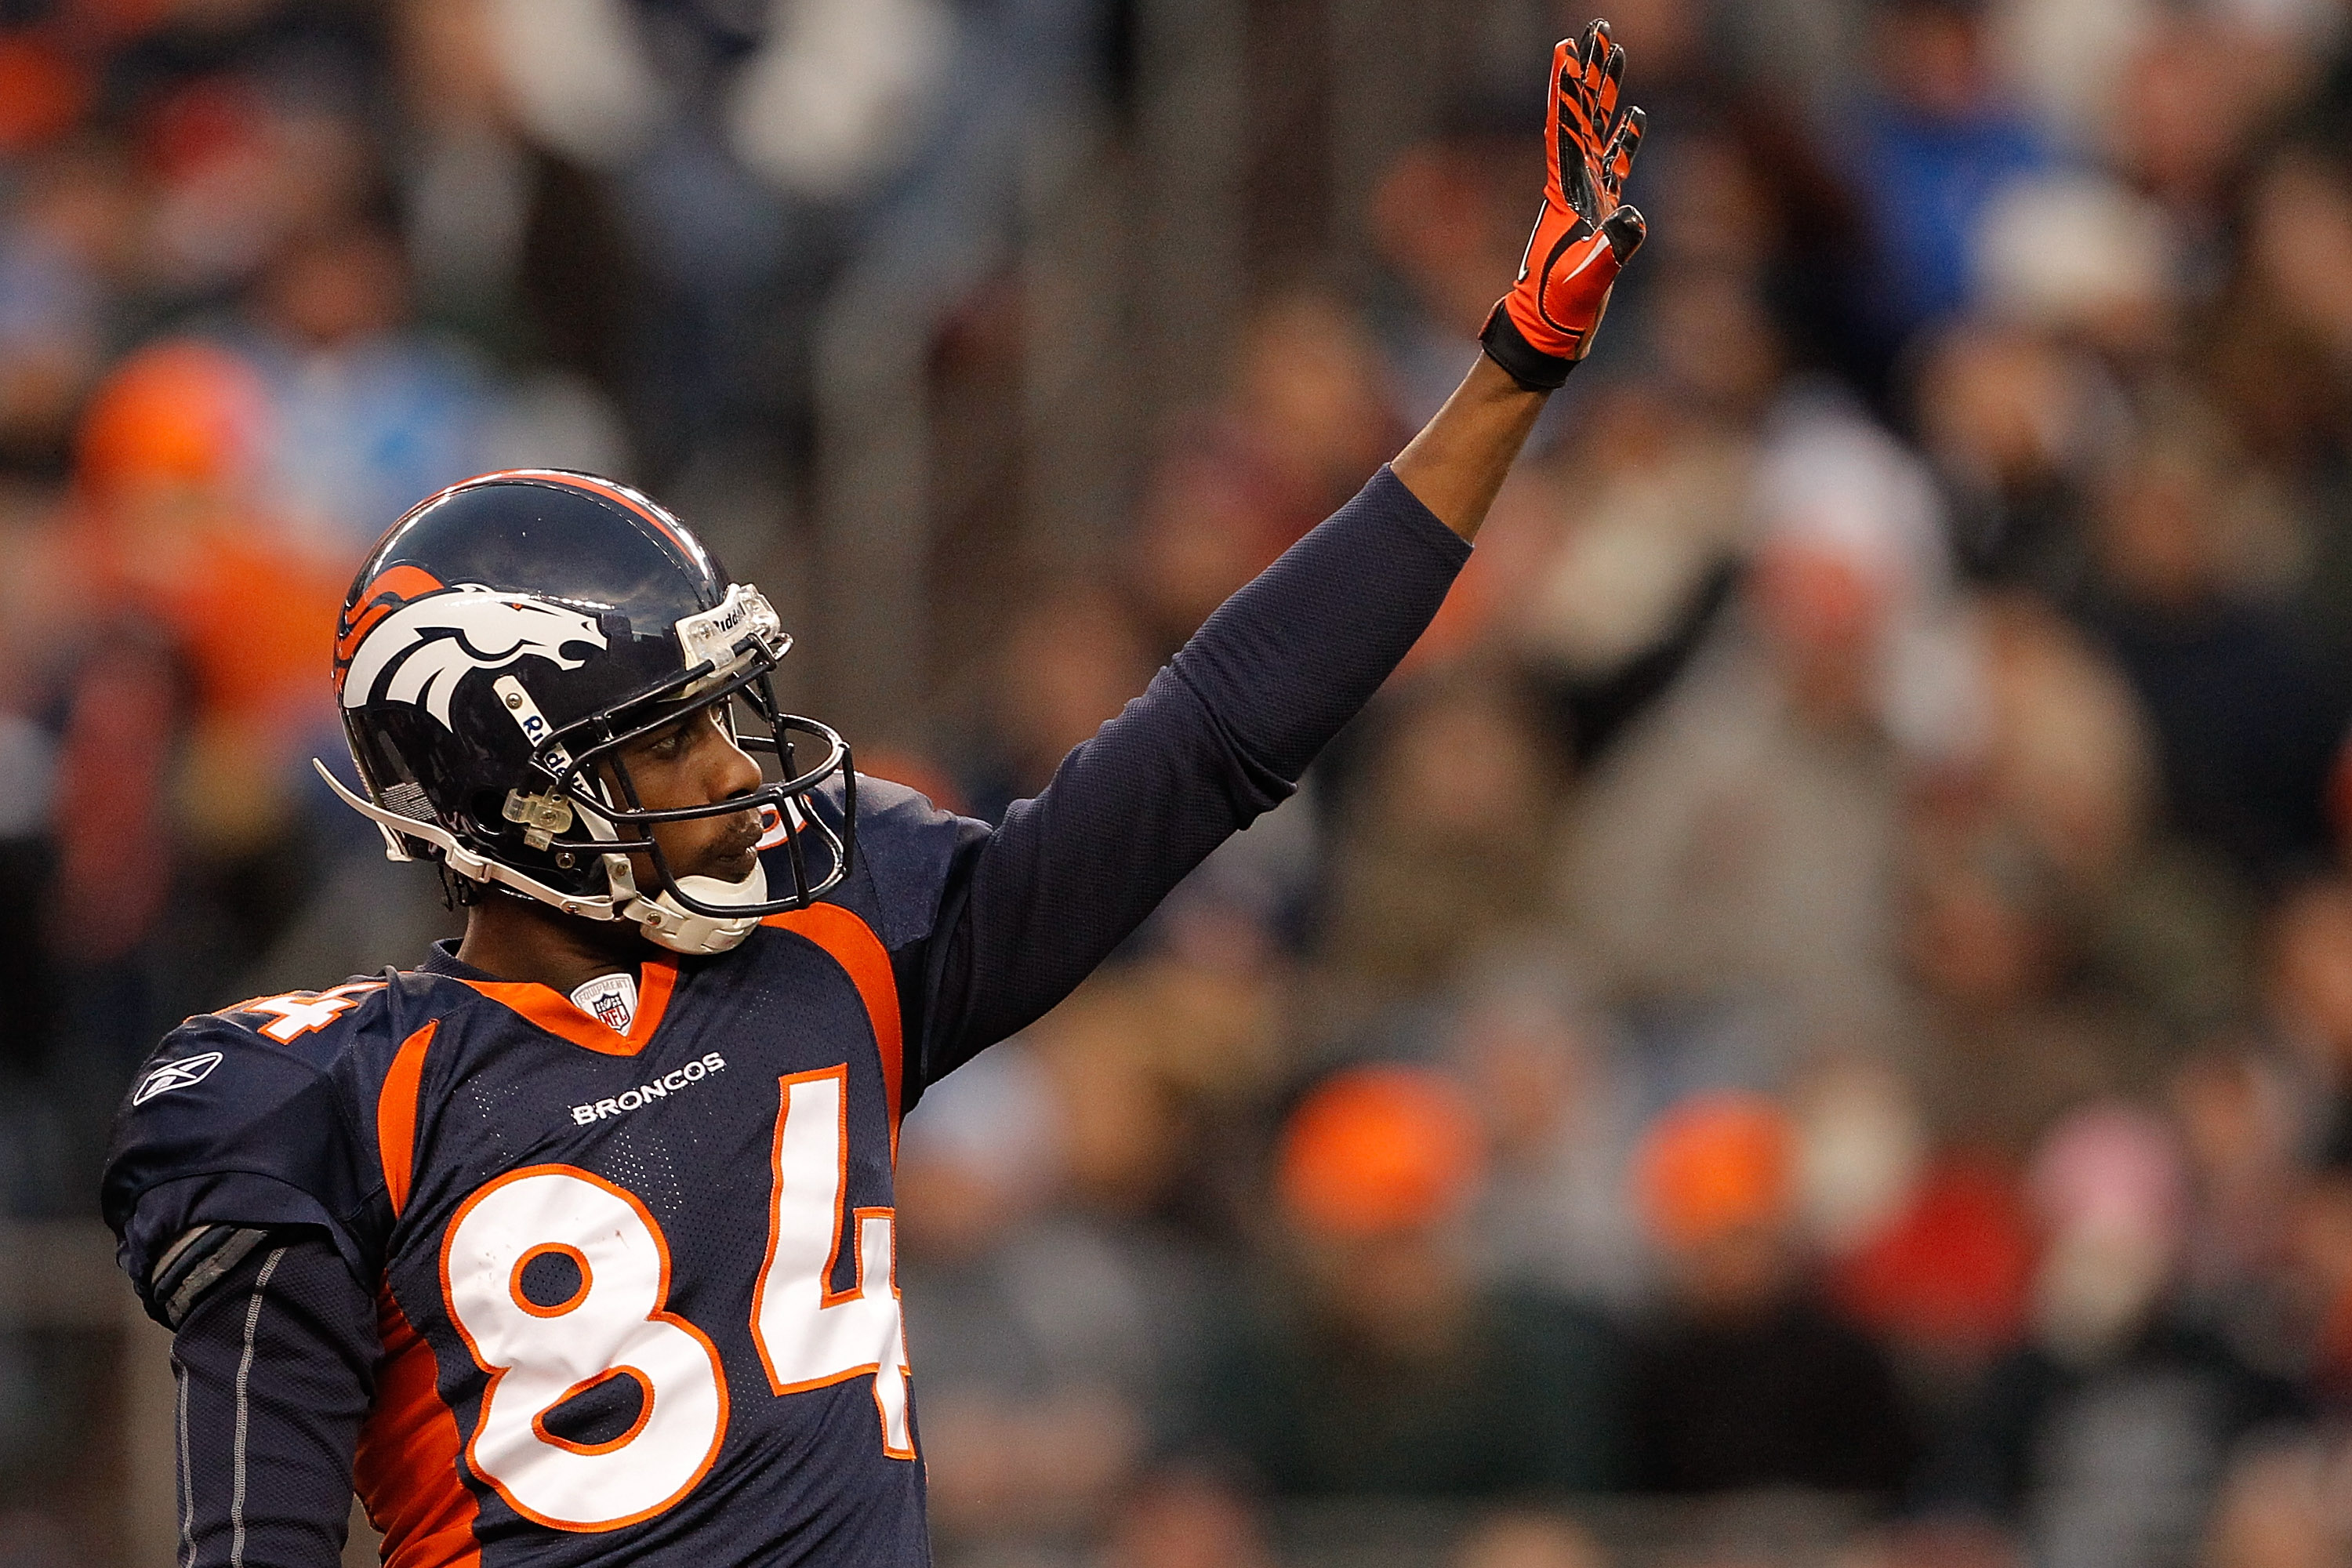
[
  {"x": 251, "y": 1117},
  {"x": 907, "y": 851}
]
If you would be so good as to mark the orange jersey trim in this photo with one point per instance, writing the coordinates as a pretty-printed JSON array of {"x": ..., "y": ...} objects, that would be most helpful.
[
  {"x": 406, "y": 1470},
  {"x": 395, "y": 1115},
  {"x": 851, "y": 942},
  {"x": 554, "y": 1011}
]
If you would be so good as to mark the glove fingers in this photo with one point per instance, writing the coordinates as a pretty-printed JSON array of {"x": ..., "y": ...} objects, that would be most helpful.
[
  {"x": 1587, "y": 99},
  {"x": 1561, "y": 124},
  {"x": 1594, "y": 67},
  {"x": 1594, "y": 92},
  {"x": 1625, "y": 229},
  {"x": 1592, "y": 45},
  {"x": 1622, "y": 149},
  {"x": 1567, "y": 70},
  {"x": 1571, "y": 76},
  {"x": 1604, "y": 99}
]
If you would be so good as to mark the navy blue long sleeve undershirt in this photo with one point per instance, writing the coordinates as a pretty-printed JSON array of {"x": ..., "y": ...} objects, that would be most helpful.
[
  {"x": 276, "y": 1364},
  {"x": 1222, "y": 735}
]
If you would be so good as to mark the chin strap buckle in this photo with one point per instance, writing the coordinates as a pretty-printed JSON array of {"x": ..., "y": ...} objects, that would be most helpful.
[{"x": 542, "y": 816}]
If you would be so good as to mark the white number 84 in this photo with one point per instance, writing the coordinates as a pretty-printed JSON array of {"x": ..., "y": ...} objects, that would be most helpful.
[{"x": 541, "y": 1354}]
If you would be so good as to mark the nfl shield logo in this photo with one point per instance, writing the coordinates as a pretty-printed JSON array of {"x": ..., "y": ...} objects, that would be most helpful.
[{"x": 613, "y": 998}]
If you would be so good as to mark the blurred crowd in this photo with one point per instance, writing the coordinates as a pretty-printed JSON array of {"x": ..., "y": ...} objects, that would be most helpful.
[{"x": 1829, "y": 975}]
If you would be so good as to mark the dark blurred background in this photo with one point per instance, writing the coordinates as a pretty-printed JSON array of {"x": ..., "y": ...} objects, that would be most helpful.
[{"x": 1809, "y": 1026}]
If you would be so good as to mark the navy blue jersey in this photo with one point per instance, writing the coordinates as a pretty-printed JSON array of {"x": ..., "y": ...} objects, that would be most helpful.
[
  {"x": 633, "y": 1293},
  {"x": 631, "y": 1286}
]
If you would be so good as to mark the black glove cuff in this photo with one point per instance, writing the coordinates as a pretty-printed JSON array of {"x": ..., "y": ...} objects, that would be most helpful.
[{"x": 1521, "y": 360}]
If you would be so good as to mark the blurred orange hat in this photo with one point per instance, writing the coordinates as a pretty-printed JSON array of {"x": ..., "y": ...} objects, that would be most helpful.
[
  {"x": 1715, "y": 1164},
  {"x": 1378, "y": 1150},
  {"x": 186, "y": 411}
]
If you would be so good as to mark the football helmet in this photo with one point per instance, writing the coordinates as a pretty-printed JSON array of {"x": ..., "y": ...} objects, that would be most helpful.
[{"x": 503, "y": 643}]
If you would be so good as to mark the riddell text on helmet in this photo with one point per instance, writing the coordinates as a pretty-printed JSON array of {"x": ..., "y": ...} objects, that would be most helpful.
[{"x": 646, "y": 1094}]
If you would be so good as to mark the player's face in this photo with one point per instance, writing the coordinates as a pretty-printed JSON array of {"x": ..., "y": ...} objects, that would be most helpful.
[{"x": 695, "y": 762}]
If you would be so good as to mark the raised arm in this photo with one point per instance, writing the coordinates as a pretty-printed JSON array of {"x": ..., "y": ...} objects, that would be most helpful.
[
  {"x": 1457, "y": 466},
  {"x": 1225, "y": 731}
]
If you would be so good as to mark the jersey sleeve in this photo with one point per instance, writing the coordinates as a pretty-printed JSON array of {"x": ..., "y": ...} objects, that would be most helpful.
[
  {"x": 226, "y": 1134},
  {"x": 1017, "y": 917}
]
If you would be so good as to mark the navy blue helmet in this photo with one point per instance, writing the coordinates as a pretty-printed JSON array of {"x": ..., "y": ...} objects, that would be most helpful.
[{"x": 501, "y": 645}]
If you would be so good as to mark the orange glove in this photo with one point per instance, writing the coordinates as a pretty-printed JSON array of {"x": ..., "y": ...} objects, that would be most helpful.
[{"x": 1544, "y": 325}]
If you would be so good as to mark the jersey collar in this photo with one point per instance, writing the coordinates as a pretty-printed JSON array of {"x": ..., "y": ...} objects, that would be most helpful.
[{"x": 550, "y": 1009}]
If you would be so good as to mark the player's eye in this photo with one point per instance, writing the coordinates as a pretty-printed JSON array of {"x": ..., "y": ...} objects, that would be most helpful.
[{"x": 667, "y": 743}]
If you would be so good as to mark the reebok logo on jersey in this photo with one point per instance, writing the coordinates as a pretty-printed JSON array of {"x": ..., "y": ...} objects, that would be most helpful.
[
  {"x": 644, "y": 1094},
  {"x": 175, "y": 1075}
]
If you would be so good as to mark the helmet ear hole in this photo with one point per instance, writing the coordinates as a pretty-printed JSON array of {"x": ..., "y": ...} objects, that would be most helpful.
[{"x": 482, "y": 808}]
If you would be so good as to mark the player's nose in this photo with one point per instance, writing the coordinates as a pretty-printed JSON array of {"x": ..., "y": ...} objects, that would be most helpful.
[{"x": 734, "y": 771}]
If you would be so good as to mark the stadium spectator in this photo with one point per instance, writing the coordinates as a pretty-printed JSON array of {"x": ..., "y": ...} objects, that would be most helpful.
[
  {"x": 1742, "y": 838},
  {"x": 2246, "y": 711},
  {"x": 1052, "y": 1345},
  {"x": 1929, "y": 148},
  {"x": 1441, "y": 827},
  {"x": 1746, "y": 1381},
  {"x": 1544, "y": 1067},
  {"x": 2101, "y": 1441},
  {"x": 1372, "y": 1360}
]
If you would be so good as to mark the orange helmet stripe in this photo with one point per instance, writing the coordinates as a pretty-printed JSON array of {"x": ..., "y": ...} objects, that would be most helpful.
[
  {"x": 609, "y": 492},
  {"x": 385, "y": 591}
]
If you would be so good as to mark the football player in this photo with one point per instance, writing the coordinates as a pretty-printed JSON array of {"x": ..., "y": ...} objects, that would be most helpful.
[{"x": 574, "y": 1243}]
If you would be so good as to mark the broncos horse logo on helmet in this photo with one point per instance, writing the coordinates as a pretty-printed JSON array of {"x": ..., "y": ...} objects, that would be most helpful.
[
  {"x": 419, "y": 652},
  {"x": 596, "y": 617}
]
